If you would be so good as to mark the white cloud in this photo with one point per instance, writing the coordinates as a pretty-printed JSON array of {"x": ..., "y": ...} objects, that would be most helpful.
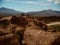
[
  {"x": 50, "y": 0},
  {"x": 46, "y": 5},
  {"x": 30, "y": 2},
  {"x": 54, "y": 1}
]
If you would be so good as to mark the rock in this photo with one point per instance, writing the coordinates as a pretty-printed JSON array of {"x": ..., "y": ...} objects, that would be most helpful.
[
  {"x": 56, "y": 41},
  {"x": 26, "y": 30},
  {"x": 19, "y": 30},
  {"x": 38, "y": 24},
  {"x": 4, "y": 22},
  {"x": 6, "y": 18},
  {"x": 4, "y": 32},
  {"x": 9, "y": 39},
  {"x": 34, "y": 36},
  {"x": 18, "y": 21}
]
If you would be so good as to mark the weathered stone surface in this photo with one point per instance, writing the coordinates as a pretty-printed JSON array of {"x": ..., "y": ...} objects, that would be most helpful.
[
  {"x": 18, "y": 21},
  {"x": 34, "y": 36},
  {"x": 4, "y": 31},
  {"x": 9, "y": 39},
  {"x": 26, "y": 30}
]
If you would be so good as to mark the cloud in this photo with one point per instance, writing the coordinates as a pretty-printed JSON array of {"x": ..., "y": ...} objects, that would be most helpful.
[
  {"x": 35, "y": 3},
  {"x": 30, "y": 2},
  {"x": 54, "y": 1},
  {"x": 18, "y": 1},
  {"x": 50, "y": 0}
]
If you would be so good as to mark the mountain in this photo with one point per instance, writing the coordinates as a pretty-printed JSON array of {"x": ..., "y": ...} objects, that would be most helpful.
[
  {"x": 6, "y": 11},
  {"x": 48, "y": 12}
]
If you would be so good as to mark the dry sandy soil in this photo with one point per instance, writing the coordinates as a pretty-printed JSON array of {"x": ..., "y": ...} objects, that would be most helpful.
[{"x": 53, "y": 23}]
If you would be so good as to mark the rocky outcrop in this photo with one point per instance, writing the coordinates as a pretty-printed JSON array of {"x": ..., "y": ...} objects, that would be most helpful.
[
  {"x": 36, "y": 36},
  {"x": 9, "y": 39},
  {"x": 18, "y": 20},
  {"x": 26, "y": 30}
]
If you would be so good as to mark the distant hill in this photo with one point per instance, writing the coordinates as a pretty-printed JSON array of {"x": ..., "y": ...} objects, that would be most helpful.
[
  {"x": 48, "y": 12},
  {"x": 6, "y": 11}
]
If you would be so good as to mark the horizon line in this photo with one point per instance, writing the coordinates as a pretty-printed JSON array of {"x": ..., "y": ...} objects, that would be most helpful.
[{"x": 30, "y": 11}]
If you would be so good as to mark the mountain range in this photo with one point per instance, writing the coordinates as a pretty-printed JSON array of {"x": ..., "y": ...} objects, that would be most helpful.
[
  {"x": 49, "y": 12},
  {"x": 7, "y": 11}
]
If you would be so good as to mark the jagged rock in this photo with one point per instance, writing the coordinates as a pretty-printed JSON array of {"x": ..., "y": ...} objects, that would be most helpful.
[{"x": 9, "y": 39}]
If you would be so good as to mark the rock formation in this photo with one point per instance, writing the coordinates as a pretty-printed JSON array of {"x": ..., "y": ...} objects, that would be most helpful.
[
  {"x": 26, "y": 30},
  {"x": 36, "y": 36}
]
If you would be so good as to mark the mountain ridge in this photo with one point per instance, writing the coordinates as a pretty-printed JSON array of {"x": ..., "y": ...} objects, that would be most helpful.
[
  {"x": 49, "y": 12},
  {"x": 7, "y": 11}
]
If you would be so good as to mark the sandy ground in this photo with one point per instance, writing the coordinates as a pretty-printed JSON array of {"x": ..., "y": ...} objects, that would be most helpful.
[{"x": 53, "y": 23}]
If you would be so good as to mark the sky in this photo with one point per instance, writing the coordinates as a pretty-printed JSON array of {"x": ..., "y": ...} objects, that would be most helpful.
[{"x": 30, "y": 5}]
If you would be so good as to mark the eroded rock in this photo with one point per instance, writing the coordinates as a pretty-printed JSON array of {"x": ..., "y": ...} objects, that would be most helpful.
[
  {"x": 34, "y": 36},
  {"x": 26, "y": 30},
  {"x": 18, "y": 21},
  {"x": 9, "y": 39}
]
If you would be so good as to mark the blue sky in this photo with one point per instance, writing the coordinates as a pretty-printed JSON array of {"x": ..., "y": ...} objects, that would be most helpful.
[{"x": 31, "y": 5}]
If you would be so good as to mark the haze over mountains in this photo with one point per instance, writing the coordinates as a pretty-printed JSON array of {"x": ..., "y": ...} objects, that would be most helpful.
[{"x": 49, "y": 12}]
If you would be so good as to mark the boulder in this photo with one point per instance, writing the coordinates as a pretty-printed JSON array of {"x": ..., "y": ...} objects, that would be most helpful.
[
  {"x": 4, "y": 31},
  {"x": 35, "y": 36},
  {"x": 9, "y": 39},
  {"x": 19, "y": 30},
  {"x": 18, "y": 20}
]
